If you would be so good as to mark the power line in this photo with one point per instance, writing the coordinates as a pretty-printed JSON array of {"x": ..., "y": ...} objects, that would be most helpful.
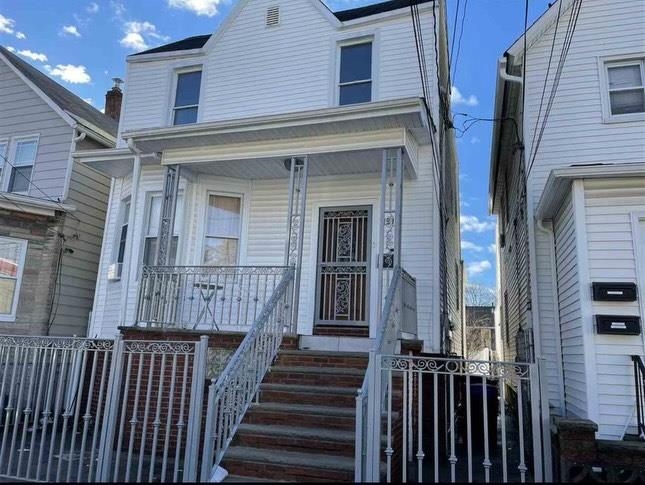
[
  {"x": 461, "y": 33},
  {"x": 454, "y": 36}
]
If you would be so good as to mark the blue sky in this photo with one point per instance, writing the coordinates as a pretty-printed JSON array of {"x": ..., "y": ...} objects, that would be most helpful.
[{"x": 83, "y": 44}]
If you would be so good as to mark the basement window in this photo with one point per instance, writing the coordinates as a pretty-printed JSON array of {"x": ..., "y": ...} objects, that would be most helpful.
[
  {"x": 187, "y": 92},
  {"x": 355, "y": 77}
]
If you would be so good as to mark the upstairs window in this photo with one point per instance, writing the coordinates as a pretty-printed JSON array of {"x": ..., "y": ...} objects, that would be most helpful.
[
  {"x": 24, "y": 156},
  {"x": 355, "y": 81},
  {"x": 223, "y": 226},
  {"x": 151, "y": 235},
  {"x": 187, "y": 98},
  {"x": 625, "y": 89}
]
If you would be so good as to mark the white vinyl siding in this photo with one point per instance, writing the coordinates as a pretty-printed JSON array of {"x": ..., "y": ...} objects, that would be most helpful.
[{"x": 570, "y": 316}]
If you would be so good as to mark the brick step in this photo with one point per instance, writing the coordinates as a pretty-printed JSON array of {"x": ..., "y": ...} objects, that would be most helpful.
[
  {"x": 292, "y": 438},
  {"x": 303, "y": 415},
  {"x": 298, "y": 394},
  {"x": 317, "y": 358},
  {"x": 288, "y": 465},
  {"x": 315, "y": 376}
]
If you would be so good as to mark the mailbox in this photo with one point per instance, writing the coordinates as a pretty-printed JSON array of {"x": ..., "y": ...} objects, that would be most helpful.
[
  {"x": 614, "y": 291},
  {"x": 618, "y": 325}
]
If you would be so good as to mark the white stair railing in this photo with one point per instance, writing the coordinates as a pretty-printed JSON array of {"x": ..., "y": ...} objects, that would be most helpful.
[{"x": 230, "y": 396}]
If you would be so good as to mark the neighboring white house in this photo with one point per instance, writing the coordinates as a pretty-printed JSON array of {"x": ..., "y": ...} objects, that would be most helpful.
[
  {"x": 568, "y": 187},
  {"x": 52, "y": 208},
  {"x": 288, "y": 112}
]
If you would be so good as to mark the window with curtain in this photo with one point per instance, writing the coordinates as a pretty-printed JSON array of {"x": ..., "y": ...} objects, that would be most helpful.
[
  {"x": 355, "y": 83},
  {"x": 187, "y": 98},
  {"x": 151, "y": 234},
  {"x": 12, "y": 257},
  {"x": 24, "y": 156},
  {"x": 223, "y": 227},
  {"x": 626, "y": 87}
]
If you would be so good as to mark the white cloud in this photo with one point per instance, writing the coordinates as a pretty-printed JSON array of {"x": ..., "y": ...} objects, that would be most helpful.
[
  {"x": 457, "y": 98},
  {"x": 11, "y": 49},
  {"x": 6, "y": 25},
  {"x": 88, "y": 100},
  {"x": 92, "y": 8},
  {"x": 478, "y": 267},
  {"x": 34, "y": 56},
  {"x": 70, "y": 30},
  {"x": 474, "y": 140},
  {"x": 492, "y": 248},
  {"x": 470, "y": 246},
  {"x": 199, "y": 7},
  {"x": 20, "y": 35},
  {"x": 137, "y": 35},
  {"x": 473, "y": 224},
  {"x": 70, "y": 73}
]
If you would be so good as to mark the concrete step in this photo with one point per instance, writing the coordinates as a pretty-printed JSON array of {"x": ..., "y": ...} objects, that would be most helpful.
[
  {"x": 288, "y": 465},
  {"x": 315, "y": 376},
  {"x": 298, "y": 394},
  {"x": 293, "y": 438},
  {"x": 304, "y": 415},
  {"x": 320, "y": 358}
]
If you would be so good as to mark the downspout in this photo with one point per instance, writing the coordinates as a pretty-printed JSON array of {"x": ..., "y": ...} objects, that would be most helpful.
[
  {"x": 505, "y": 75},
  {"x": 134, "y": 196},
  {"x": 550, "y": 233}
]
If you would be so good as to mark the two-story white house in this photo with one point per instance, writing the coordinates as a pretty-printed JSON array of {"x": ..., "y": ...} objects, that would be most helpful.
[
  {"x": 568, "y": 187},
  {"x": 300, "y": 148},
  {"x": 52, "y": 208}
]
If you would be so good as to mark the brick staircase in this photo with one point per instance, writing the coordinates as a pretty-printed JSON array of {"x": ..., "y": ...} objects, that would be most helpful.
[{"x": 302, "y": 429}]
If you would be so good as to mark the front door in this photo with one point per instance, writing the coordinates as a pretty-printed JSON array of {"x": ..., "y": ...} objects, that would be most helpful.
[{"x": 343, "y": 265}]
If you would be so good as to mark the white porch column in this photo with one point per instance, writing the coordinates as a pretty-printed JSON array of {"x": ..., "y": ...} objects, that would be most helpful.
[
  {"x": 167, "y": 216},
  {"x": 296, "y": 227},
  {"x": 389, "y": 252}
]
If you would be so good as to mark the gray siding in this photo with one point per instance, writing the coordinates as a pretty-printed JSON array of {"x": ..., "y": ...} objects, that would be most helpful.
[{"x": 23, "y": 112}]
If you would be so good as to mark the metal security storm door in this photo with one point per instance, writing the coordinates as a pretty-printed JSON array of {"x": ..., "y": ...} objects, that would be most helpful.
[{"x": 343, "y": 266}]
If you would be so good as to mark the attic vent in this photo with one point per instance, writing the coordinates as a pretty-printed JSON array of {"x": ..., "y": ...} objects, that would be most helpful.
[{"x": 273, "y": 16}]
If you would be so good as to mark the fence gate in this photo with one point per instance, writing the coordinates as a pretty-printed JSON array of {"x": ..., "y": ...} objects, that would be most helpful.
[
  {"x": 86, "y": 410},
  {"x": 453, "y": 420}
]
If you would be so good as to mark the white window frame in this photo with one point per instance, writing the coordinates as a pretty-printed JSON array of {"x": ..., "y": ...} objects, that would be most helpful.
[
  {"x": 3, "y": 165},
  {"x": 204, "y": 227},
  {"x": 116, "y": 268},
  {"x": 175, "y": 80},
  {"x": 355, "y": 40},
  {"x": 177, "y": 230},
  {"x": 11, "y": 317},
  {"x": 12, "y": 148},
  {"x": 604, "y": 63}
]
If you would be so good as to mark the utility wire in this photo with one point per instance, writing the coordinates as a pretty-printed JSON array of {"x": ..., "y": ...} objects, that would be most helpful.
[
  {"x": 454, "y": 37},
  {"x": 461, "y": 33}
]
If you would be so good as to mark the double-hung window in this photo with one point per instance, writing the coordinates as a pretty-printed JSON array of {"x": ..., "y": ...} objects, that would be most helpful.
[
  {"x": 223, "y": 226},
  {"x": 355, "y": 78},
  {"x": 12, "y": 261},
  {"x": 123, "y": 234},
  {"x": 151, "y": 235},
  {"x": 187, "y": 97},
  {"x": 3, "y": 155},
  {"x": 625, "y": 88},
  {"x": 22, "y": 158}
]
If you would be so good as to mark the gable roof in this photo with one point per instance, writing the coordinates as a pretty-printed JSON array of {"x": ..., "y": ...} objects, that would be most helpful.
[
  {"x": 78, "y": 109},
  {"x": 199, "y": 41}
]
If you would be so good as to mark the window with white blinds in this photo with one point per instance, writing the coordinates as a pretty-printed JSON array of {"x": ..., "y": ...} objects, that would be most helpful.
[{"x": 625, "y": 87}]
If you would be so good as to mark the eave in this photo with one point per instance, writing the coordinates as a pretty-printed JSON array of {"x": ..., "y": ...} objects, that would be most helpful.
[
  {"x": 559, "y": 182},
  {"x": 32, "y": 205}
]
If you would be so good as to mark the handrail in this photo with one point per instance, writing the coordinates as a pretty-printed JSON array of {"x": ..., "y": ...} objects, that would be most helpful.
[
  {"x": 639, "y": 383},
  {"x": 231, "y": 394}
]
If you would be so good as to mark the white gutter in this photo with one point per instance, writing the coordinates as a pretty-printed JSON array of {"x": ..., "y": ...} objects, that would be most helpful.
[{"x": 505, "y": 75}]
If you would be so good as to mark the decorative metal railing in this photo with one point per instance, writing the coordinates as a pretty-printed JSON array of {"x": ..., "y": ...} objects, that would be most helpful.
[
  {"x": 639, "y": 383},
  {"x": 231, "y": 394},
  {"x": 205, "y": 297}
]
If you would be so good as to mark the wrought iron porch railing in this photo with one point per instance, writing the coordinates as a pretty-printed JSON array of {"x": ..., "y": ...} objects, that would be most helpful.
[
  {"x": 205, "y": 297},
  {"x": 639, "y": 382},
  {"x": 230, "y": 396},
  {"x": 399, "y": 315}
]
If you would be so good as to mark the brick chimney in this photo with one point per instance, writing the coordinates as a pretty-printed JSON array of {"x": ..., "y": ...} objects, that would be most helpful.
[{"x": 113, "y": 100}]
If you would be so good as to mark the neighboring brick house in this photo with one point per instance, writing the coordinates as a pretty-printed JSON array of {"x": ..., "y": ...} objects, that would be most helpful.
[{"x": 52, "y": 209}]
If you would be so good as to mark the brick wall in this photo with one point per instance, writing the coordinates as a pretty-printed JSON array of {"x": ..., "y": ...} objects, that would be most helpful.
[{"x": 36, "y": 290}]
